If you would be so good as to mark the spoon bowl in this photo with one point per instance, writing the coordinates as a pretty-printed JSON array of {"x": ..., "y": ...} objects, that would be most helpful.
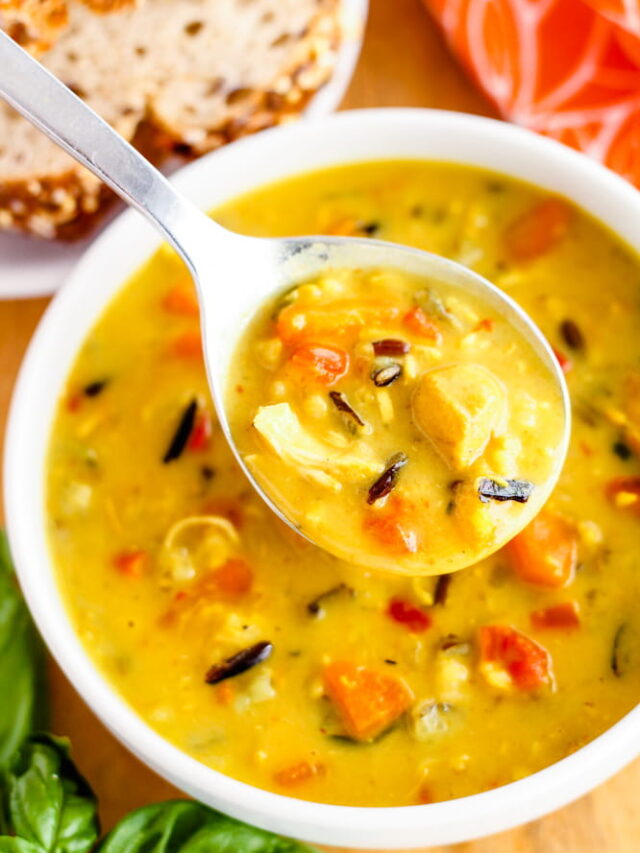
[
  {"x": 297, "y": 260},
  {"x": 235, "y": 275}
]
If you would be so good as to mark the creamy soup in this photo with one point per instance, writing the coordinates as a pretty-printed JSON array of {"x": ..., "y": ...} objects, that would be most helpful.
[
  {"x": 273, "y": 662},
  {"x": 401, "y": 423}
]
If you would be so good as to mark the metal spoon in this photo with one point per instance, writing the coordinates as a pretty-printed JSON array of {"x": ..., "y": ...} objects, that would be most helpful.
[{"x": 234, "y": 275}]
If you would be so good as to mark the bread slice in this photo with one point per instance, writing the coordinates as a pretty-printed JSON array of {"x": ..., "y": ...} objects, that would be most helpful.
[{"x": 192, "y": 74}]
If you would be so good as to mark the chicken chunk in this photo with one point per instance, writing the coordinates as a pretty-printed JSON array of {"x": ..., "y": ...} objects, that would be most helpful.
[
  {"x": 281, "y": 429},
  {"x": 460, "y": 407}
]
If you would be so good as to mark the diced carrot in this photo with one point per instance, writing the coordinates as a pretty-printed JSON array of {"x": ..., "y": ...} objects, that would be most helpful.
[
  {"x": 234, "y": 579},
  {"x": 538, "y": 230},
  {"x": 339, "y": 320},
  {"x": 523, "y": 662},
  {"x": 74, "y": 401},
  {"x": 413, "y": 618},
  {"x": 624, "y": 493},
  {"x": 201, "y": 432},
  {"x": 484, "y": 325},
  {"x": 564, "y": 616},
  {"x": 182, "y": 301},
  {"x": 417, "y": 322},
  {"x": 188, "y": 345},
  {"x": 289, "y": 777},
  {"x": 546, "y": 551},
  {"x": 348, "y": 226},
  {"x": 393, "y": 526},
  {"x": 319, "y": 362},
  {"x": 229, "y": 582},
  {"x": 368, "y": 701},
  {"x": 168, "y": 618},
  {"x": 425, "y": 795},
  {"x": 224, "y": 693},
  {"x": 131, "y": 563},
  {"x": 565, "y": 362}
]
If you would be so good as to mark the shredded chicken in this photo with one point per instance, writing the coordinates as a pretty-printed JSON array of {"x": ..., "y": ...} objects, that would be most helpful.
[{"x": 281, "y": 429}]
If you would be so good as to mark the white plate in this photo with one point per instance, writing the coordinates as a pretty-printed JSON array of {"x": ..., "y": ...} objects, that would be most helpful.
[{"x": 30, "y": 267}]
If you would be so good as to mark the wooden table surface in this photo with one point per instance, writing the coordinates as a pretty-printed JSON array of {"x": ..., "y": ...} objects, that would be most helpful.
[{"x": 404, "y": 63}]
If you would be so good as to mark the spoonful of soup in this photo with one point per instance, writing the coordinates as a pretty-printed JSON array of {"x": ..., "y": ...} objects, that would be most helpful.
[
  {"x": 389, "y": 404},
  {"x": 405, "y": 418}
]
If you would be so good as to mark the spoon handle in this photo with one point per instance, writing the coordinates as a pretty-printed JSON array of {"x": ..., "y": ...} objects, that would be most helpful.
[{"x": 48, "y": 104}]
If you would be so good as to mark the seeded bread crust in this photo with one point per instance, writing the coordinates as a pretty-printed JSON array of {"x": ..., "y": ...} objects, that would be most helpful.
[{"x": 191, "y": 74}]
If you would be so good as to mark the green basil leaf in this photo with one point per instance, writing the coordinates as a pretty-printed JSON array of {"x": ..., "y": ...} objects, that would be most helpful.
[
  {"x": 49, "y": 802},
  {"x": 17, "y": 845},
  {"x": 21, "y": 665},
  {"x": 180, "y": 826}
]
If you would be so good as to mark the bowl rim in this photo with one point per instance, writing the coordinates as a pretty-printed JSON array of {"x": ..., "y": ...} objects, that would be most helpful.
[{"x": 122, "y": 247}]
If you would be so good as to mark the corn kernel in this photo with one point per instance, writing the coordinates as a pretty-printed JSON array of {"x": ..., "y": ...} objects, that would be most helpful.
[
  {"x": 310, "y": 292},
  {"x": 590, "y": 533},
  {"x": 385, "y": 405},
  {"x": 279, "y": 390},
  {"x": 625, "y": 499},
  {"x": 269, "y": 352},
  {"x": 316, "y": 406},
  {"x": 410, "y": 367},
  {"x": 495, "y": 676}
]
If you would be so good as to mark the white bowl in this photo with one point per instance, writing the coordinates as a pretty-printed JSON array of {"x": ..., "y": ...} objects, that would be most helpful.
[{"x": 352, "y": 136}]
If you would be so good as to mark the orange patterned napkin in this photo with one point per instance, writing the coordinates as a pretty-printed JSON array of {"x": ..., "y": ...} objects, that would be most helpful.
[{"x": 567, "y": 68}]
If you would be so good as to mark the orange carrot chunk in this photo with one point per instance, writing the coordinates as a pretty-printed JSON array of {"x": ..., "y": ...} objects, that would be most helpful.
[
  {"x": 131, "y": 563},
  {"x": 368, "y": 701},
  {"x": 392, "y": 526},
  {"x": 564, "y": 616},
  {"x": 181, "y": 301},
  {"x": 188, "y": 345},
  {"x": 425, "y": 795},
  {"x": 301, "y": 322},
  {"x": 484, "y": 325},
  {"x": 508, "y": 657},
  {"x": 537, "y": 231},
  {"x": 624, "y": 493},
  {"x": 546, "y": 551},
  {"x": 234, "y": 579},
  {"x": 224, "y": 693},
  {"x": 229, "y": 582},
  {"x": 74, "y": 402},
  {"x": 417, "y": 322},
  {"x": 319, "y": 362},
  {"x": 289, "y": 777}
]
